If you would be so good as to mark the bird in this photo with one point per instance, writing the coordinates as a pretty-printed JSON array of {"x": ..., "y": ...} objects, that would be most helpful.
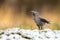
[{"x": 40, "y": 22}]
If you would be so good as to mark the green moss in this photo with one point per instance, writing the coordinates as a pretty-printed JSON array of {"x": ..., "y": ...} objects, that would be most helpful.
[
  {"x": 25, "y": 26},
  {"x": 56, "y": 26}
]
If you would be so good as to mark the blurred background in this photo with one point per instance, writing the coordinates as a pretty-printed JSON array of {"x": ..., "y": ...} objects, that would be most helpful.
[{"x": 15, "y": 13}]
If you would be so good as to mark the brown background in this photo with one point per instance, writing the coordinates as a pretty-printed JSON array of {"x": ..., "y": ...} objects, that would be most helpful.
[{"x": 15, "y": 13}]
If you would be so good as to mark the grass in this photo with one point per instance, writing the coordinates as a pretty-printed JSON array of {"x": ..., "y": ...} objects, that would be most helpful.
[
  {"x": 56, "y": 26},
  {"x": 25, "y": 27}
]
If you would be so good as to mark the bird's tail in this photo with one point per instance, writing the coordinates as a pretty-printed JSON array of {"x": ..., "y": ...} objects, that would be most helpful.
[{"x": 48, "y": 22}]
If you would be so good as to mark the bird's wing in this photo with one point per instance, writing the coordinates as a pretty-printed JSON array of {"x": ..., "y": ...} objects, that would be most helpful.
[{"x": 44, "y": 20}]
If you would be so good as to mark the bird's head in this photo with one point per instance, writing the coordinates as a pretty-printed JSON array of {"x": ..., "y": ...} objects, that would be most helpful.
[{"x": 34, "y": 13}]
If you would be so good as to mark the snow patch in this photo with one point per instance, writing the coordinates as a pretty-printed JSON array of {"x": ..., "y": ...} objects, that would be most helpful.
[{"x": 22, "y": 34}]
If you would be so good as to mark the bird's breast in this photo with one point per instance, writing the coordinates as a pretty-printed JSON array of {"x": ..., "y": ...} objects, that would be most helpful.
[{"x": 37, "y": 20}]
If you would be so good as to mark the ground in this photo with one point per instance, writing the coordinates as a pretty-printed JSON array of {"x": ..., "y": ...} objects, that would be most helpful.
[{"x": 25, "y": 34}]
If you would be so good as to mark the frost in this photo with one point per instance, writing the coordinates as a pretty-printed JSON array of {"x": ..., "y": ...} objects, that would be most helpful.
[{"x": 22, "y": 34}]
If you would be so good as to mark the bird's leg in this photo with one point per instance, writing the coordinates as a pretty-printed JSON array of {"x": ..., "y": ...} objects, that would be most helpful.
[
  {"x": 38, "y": 27},
  {"x": 41, "y": 27}
]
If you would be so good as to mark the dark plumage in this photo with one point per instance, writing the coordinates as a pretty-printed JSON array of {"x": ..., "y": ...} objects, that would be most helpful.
[
  {"x": 44, "y": 20},
  {"x": 38, "y": 20}
]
